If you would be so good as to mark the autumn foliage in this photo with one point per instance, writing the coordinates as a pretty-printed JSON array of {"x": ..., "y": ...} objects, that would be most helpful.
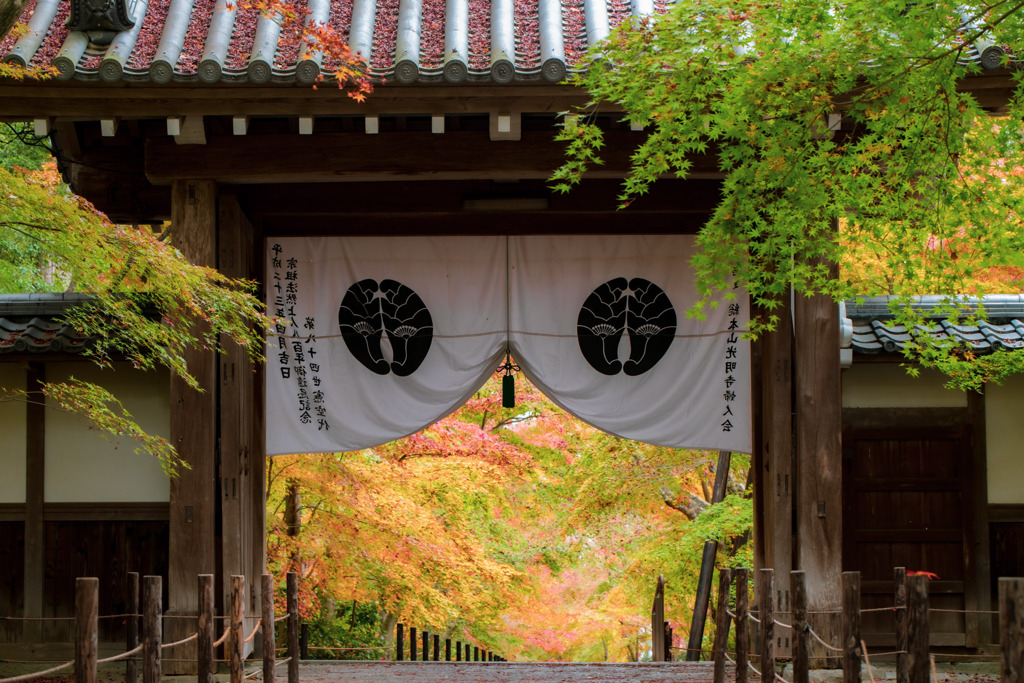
[{"x": 520, "y": 530}]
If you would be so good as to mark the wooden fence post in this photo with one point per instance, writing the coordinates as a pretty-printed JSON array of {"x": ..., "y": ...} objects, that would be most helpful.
[
  {"x": 437, "y": 647},
  {"x": 467, "y": 652},
  {"x": 236, "y": 641},
  {"x": 801, "y": 656},
  {"x": 900, "y": 616},
  {"x": 304, "y": 641},
  {"x": 447, "y": 649},
  {"x": 476, "y": 653},
  {"x": 742, "y": 640},
  {"x": 458, "y": 650},
  {"x": 152, "y": 627},
  {"x": 131, "y": 665},
  {"x": 267, "y": 629},
  {"x": 426, "y": 645},
  {"x": 766, "y": 602},
  {"x": 87, "y": 598},
  {"x": 412, "y": 644},
  {"x": 293, "y": 627},
  {"x": 204, "y": 634},
  {"x": 851, "y": 627},
  {"x": 917, "y": 629},
  {"x": 1011, "y": 628},
  {"x": 722, "y": 620},
  {"x": 667, "y": 630},
  {"x": 400, "y": 642},
  {"x": 658, "y": 621}
]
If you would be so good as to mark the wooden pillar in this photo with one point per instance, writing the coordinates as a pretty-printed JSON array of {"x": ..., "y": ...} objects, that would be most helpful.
[
  {"x": 193, "y": 431},
  {"x": 819, "y": 490},
  {"x": 35, "y": 479},
  {"x": 240, "y": 473},
  {"x": 774, "y": 496}
]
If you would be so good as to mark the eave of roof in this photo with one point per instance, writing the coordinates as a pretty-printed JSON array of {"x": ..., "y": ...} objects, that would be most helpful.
[
  {"x": 873, "y": 330},
  {"x": 425, "y": 41},
  {"x": 33, "y": 323}
]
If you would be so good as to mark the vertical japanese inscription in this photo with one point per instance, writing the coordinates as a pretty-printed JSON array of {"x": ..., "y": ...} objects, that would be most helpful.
[
  {"x": 731, "y": 366},
  {"x": 296, "y": 341}
]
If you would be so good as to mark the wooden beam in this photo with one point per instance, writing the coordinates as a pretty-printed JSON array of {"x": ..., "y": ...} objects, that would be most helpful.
[
  {"x": 42, "y": 126},
  {"x": 777, "y": 458},
  {"x": 191, "y": 131},
  {"x": 506, "y": 125},
  {"x": 93, "y": 101},
  {"x": 193, "y": 428},
  {"x": 978, "y": 588},
  {"x": 35, "y": 477},
  {"x": 236, "y": 400},
  {"x": 397, "y": 156},
  {"x": 819, "y": 458}
]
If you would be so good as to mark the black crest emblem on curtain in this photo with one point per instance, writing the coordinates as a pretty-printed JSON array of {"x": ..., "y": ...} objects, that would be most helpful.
[
  {"x": 637, "y": 307},
  {"x": 369, "y": 310}
]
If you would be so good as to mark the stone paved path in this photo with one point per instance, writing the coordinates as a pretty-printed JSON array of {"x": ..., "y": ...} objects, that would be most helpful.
[{"x": 504, "y": 672}]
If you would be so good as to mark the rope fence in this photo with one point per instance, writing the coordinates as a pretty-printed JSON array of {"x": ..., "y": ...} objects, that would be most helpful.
[
  {"x": 149, "y": 652},
  {"x": 911, "y": 610}
]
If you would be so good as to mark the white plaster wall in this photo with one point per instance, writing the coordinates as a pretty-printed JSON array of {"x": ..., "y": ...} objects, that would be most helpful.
[
  {"x": 1004, "y": 437},
  {"x": 12, "y": 427},
  {"x": 887, "y": 385},
  {"x": 84, "y": 467}
]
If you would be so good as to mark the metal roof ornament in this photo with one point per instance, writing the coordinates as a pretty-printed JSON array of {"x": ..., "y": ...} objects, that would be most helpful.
[{"x": 101, "y": 19}]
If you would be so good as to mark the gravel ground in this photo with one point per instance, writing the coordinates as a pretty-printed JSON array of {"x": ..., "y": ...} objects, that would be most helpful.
[{"x": 505, "y": 672}]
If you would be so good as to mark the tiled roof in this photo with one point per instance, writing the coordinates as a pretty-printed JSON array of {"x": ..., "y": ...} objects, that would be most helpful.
[
  {"x": 874, "y": 331},
  {"x": 32, "y": 323},
  {"x": 402, "y": 40}
]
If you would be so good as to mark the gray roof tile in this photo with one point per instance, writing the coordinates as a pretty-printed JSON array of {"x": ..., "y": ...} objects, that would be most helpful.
[{"x": 407, "y": 41}]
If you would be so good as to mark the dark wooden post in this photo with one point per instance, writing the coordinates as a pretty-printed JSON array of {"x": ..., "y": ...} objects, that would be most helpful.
[
  {"x": 437, "y": 647},
  {"x": 304, "y": 641},
  {"x": 87, "y": 598},
  {"x": 458, "y": 650},
  {"x": 193, "y": 428},
  {"x": 801, "y": 657},
  {"x": 152, "y": 627},
  {"x": 447, "y": 649},
  {"x": 657, "y": 621},
  {"x": 476, "y": 653},
  {"x": 819, "y": 463},
  {"x": 851, "y": 627},
  {"x": 204, "y": 635},
  {"x": 467, "y": 652},
  {"x": 900, "y": 616},
  {"x": 293, "y": 627},
  {"x": 267, "y": 628},
  {"x": 131, "y": 665},
  {"x": 236, "y": 641},
  {"x": 412, "y": 644},
  {"x": 426, "y": 645},
  {"x": 400, "y": 642},
  {"x": 742, "y": 639},
  {"x": 1011, "y": 628},
  {"x": 917, "y": 629},
  {"x": 707, "y": 567},
  {"x": 722, "y": 624},
  {"x": 668, "y": 642},
  {"x": 766, "y": 602}
]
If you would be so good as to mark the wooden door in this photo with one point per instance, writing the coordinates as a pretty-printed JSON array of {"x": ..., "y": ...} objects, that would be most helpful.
[{"x": 908, "y": 503}]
